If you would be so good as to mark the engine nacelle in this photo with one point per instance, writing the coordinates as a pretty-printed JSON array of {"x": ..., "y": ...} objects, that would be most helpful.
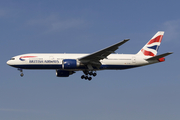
[
  {"x": 70, "y": 64},
  {"x": 63, "y": 73}
]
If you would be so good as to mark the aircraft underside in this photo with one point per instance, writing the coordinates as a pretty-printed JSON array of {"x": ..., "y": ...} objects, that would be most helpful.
[
  {"x": 102, "y": 67},
  {"x": 60, "y": 72}
]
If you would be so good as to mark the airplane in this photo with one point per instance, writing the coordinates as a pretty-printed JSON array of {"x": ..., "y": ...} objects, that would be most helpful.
[{"x": 67, "y": 64}]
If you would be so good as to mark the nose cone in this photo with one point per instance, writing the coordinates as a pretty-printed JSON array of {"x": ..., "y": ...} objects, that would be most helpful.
[{"x": 8, "y": 62}]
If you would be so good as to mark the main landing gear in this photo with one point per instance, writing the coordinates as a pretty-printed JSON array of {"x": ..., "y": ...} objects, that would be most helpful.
[
  {"x": 86, "y": 75},
  {"x": 21, "y": 70}
]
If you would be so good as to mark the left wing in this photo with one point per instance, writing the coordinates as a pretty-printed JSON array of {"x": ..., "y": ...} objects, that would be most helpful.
[{"x": 99, "y": 55}]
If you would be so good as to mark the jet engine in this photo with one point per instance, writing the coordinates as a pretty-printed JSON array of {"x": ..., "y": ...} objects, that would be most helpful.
[
  {"x": 70, "y": 64},
  {"x": 63, "y": 73}
]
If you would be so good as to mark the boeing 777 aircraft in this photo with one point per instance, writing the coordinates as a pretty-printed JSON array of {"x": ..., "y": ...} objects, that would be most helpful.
[{"x": 68, "y": 64}]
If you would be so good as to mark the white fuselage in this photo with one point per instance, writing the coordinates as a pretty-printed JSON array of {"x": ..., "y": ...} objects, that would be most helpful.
[{"x": 55, "y": 61}]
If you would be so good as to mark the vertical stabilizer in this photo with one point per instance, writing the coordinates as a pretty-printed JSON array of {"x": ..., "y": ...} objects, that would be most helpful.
[{"x": 151, "y": 48}]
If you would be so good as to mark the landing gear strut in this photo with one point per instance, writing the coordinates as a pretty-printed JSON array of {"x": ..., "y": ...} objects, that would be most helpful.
[
  {"x": 86, "y": 75},
  {"x": 21, "y": 72}
]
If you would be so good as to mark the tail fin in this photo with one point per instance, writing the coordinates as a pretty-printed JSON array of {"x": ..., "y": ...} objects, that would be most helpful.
[{"x": 151, "y": 48}]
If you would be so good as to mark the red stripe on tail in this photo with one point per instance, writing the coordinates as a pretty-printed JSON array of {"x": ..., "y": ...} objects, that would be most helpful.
[
  {"x": 147, "y": 53},
  {"x": 157, "y": 39}
]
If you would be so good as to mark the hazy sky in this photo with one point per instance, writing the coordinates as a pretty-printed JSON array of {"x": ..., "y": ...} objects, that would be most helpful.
[{"x": 79, "y": 26}]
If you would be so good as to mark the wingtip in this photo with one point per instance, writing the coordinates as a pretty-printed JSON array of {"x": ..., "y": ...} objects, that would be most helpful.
[
  {"x": 170, "y": 52},
  {"x": 126, "y": 39}
]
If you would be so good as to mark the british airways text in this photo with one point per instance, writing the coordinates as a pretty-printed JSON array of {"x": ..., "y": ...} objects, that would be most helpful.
[{"x": 43, "y": 61}]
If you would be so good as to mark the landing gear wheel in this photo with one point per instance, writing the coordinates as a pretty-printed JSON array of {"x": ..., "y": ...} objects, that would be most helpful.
[
  {"x": 21, "y": 74},
  {"x": 21, "y": 70},
  {"x": 82, "y": 77},
  {"x": 89, "y": 78},
  {"x": 86, "y": 77},
  {"x": 94, "y": 74},
  {"x": 90, "y": 73},
  {"x": 86, "y": 72}
]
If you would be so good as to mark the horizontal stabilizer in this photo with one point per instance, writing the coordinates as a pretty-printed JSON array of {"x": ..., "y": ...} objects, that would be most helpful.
[{"x": 159, "y": 56}]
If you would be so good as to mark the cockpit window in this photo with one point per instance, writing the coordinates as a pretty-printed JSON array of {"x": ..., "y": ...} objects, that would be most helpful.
[{"x": 12, "y": 58}]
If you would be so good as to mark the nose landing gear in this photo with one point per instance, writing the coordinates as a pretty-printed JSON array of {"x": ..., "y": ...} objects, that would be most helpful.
[
  {"x": 21, "y": 70},
  {"x": 21, "y": 74}
]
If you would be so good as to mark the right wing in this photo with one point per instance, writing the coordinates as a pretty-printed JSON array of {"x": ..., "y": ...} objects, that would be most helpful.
[{"x": 94, "y": 58}]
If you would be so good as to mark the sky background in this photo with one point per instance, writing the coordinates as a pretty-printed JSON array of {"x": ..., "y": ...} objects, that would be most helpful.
[{"x": 85, "y": 26}]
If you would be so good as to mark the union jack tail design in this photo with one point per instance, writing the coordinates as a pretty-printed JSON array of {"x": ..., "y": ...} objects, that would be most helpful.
[{"x": 151, "y": 48}]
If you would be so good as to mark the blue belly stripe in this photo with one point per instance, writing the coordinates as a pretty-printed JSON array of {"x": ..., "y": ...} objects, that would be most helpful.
[
  {"x": 103, "y": 67},
  {"x": 38, "y": 66}
]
